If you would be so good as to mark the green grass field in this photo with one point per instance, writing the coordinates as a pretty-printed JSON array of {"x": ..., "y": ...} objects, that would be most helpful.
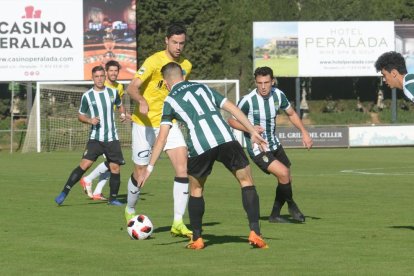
[{"x": 358, "y": 205}]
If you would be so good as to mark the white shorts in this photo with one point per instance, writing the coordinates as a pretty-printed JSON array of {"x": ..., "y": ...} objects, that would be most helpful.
[{"x": 143, "y": 138}]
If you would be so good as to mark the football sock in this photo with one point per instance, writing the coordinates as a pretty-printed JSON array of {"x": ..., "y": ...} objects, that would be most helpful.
[
  {"x": 180, "y": 193},
  {"x": 100, "y": 169},
  {"x": 279, "y": 201},
  {"x": 196, "y": 207},
  {"x": 103, "y": 178},
  {"x": 74, "y": 177},
  {"x": 114, "y": 183},
  {"x": 286, "y": 191},
  {"x": 133, "y": 194},
  {"x": 250, "y": 200}
]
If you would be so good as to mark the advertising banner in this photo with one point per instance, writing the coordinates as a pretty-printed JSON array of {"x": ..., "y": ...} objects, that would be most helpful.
[
  {"x": 322, "y": 136},
  {"x": 41, "y": 40},
  {"x": 381, "y": 136},
  {"x": 63, "y": 39},
  {"x": 322, "y": 49},
  {"x": 110, "y": 33}
]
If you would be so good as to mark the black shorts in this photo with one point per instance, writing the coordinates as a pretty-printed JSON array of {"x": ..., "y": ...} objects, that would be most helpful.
[
  {"x": 264, "y": 159},
  {"x": 231, "y": 154},
  {"x": 111, "y": 150}
]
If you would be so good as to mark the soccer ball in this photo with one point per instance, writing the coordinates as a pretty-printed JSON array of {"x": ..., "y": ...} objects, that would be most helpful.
[{"x": 140, "y": 227}]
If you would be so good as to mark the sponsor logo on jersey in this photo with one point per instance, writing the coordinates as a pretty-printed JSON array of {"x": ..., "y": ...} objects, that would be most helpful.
[{"x": 141, "y": 71}]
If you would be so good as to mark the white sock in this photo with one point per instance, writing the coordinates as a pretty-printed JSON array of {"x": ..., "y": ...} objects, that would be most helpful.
[
  {"x": 180, "y": 192},
  {"x": 103, "y": 178},
  {"x": 133, "y": 196},
  {"x": 100, "y": 169}
]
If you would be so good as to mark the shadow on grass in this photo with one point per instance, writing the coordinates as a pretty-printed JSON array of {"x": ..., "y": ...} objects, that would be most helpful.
[
  {"x": 290, "y": 220},
  {"x": 167, "y": 228},
  {"x": 402, "y": 227},
  {"x": 122, "y": 198},
  {"x": 209, "y": 239}
]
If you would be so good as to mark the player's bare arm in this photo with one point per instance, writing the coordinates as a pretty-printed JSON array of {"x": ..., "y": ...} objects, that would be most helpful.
[
  {"x": 297, "y": 122},
  {"x": 237, "y": 125},
  {"x": 156, "y": 152},
  {"x": 122, "y": 115},
  {"x": 134, "y": 93},
  {"x": 90, "y": 121},
  {"x": 241, "y": 118}
]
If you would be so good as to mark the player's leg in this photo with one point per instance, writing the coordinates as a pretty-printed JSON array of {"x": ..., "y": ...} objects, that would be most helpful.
[
  {"x": 176, "y": 150},
  {"x": 115, "y": 158},
  {"x": 103, "y": 178},
  {"x": 142, "y": 140},
  {"x": 86, "y": 181},
  {"x": 280, "y": 167},
  {"x": 199, "y": 167},
  {"x": 232, "y": 156},
  {"x": 93, "y": 150},
  {"x": 196, "y": 208}
]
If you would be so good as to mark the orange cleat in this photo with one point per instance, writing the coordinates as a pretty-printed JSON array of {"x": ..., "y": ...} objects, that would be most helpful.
[
  {"x": 257, "y": 241},
  {"x": 196, "y": 245}
]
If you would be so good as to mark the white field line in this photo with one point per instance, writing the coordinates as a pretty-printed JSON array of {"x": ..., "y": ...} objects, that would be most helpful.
[{"x": 382, "y": 171}]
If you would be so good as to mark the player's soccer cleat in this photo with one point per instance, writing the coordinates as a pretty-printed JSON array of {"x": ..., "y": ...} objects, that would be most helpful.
[
  {"x": 196, "y": 245},
  {"x": 296, "y": 213},
  {"x": 87, "y": 187},
  {"x": 277, "y": 219},
  {"x": 179, "y": 229},
  {"x": 60, "y": 198},
  {"x": 129, "y": 216},
  {"x": 99, "y": 197},
  {"x": 257, "y": 241},
  {"x": 115, "y": 202}
]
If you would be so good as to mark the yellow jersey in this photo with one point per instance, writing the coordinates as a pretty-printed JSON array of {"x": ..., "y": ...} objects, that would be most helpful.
[
  {"x": 118, "y": 86},
  {"x": 153, "y": 88}
]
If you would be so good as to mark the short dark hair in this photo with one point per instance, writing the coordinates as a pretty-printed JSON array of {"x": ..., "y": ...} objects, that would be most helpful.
[
  {"x": 391, "y": 60},
  {"x": 175, "y": 29},
  {"x": 97, "y": 68},
  {"x": 263, "y": 71},
  {"x": 112, "y": 63},
  {"x": 170, "y": 67}
]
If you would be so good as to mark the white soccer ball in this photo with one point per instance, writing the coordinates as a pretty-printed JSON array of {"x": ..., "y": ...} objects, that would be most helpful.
[{"x": 140, "y": 227}]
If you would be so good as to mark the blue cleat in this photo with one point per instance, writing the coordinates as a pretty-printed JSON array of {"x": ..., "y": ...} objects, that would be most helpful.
[
  {"x": 115, "y": 202},
  {"x": 60, "y": 198}
]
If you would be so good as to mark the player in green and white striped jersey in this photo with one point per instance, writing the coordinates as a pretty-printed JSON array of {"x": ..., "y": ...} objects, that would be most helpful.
[
  {"x": 394, "y": 71},
  {"x": 209, "y": 139},
  {"x": 99, "y": 104},
  {"x": 261, "y": 106},
  {"x": 97, "y": 110}
]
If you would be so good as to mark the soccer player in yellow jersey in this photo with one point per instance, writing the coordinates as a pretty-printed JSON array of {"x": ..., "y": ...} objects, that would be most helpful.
[
  {"x": 112, "y": 68},
  {"x": 148, "y": 90}
]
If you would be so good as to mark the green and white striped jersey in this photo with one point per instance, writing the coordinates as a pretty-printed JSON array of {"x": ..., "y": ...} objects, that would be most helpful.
[
  {"x": 263, "y": 111},
  {"x": 101, "y": 104},
  {"x": 408, "y": 86},
  {"x": 198, "y": 107}
]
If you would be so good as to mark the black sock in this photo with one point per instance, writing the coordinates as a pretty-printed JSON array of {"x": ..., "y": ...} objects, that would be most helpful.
[
  {"x": 287, "y": 193},
  {"x": 279, "y": 201},
  {"x": 114, "y": 183},
  {"x": 74, "y": 177},
  {"x": 107, "y": 164},
  {"x": 196, "y": 207},
  {"x": 250, "y": 200}
]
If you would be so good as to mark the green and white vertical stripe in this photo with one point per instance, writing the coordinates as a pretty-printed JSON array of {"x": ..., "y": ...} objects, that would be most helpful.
[
  {"x": 263, "y": 111},
  {"x": 409, "y": 86},
  {"x": 100, "y": 104},
  {"x": 197, "y": 106}
]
